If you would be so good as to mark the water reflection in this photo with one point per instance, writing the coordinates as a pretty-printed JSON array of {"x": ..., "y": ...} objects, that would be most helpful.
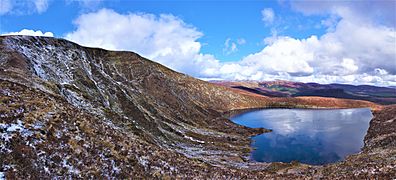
[{"x": 308, "y": 136}]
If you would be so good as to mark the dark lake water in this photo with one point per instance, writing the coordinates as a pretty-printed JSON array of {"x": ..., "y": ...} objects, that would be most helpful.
[{"x": 305, "y": 135}]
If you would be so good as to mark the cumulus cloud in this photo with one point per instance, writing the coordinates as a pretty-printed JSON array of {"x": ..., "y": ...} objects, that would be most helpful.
[
  {"x": 382, "y": 12},
  {"x": 285, "y": 54},
  {"x": 164, "y": 38},
  {"x": 29, "y": 32},
  {"x": 268, "y": 15},
  {"x": 354, "y": 50},
  {"x": 23, "y": 7}
]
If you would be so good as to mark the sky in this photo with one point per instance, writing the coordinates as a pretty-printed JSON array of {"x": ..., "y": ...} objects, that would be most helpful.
[{"x": 351, "y": 42}]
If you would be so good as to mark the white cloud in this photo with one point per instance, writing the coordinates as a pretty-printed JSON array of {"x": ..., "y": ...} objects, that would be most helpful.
[
  {"x": 285, "y": 54},
  {"x": 29, "y": 32},
  {"x": 349, "y": 66},
  {"x": 87, "y": 4},
  {"x": 268, "y": 15},
  {"x": 380, "y": 12},
  {"x": 241, "y": 41},
  {"x": 231, "y": 46},
  {"x": 5, "y": 6},
  {"x": 354, "y": 51},
  {"x": 164, "y": 38},
  {"x": 23, "y": 7},
  {"x": 41, "y": 5},
  {"x": 330, "y": 23},
  {"x": 379, "y": 71}
]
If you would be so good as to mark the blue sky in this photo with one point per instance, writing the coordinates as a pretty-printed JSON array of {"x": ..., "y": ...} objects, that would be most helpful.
[
  {"x": 218, "y": 20},
  {"x": 235, "y": 40}
]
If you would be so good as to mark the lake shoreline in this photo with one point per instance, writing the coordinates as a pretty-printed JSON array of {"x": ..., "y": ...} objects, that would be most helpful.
[
  {"x": 231, "y": 113},
  {"x": 306, "y": 134}
]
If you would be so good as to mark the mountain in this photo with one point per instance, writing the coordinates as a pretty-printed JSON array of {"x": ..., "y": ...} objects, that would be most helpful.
[
  {"x": 69, "y": 111},
  {"x": 381, "y": 95}
]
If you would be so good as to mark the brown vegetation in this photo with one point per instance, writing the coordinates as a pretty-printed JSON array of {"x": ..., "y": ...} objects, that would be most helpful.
[{"x": 116, "y": 114}]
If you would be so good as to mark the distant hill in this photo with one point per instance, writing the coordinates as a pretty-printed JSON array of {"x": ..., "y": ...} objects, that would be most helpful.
[{"x": 380, "y": 95}]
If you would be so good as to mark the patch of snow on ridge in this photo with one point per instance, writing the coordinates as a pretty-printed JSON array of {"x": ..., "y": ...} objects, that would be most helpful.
[
  {"x": 49, "y": 62},
  {"x": 9, "y": 131},
  {"x": 70, "y": 168},
  {"x": 195, "y": 140},
  {"x": 10, "y": 128},
  {"x": 58, "y": 64},
  {"x": 15, "y": 127}
]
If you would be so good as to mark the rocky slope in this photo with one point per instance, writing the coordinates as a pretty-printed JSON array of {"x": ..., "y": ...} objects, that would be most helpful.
[{"x": 72, "y": 111}]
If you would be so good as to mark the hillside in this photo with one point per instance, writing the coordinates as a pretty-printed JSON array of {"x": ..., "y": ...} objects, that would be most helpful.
[
  {"x": 78, "y": 112},
  {"x": 380, "y": 95}
]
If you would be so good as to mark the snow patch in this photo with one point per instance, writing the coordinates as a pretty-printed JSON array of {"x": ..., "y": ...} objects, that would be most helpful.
[
  {"x": 9, "y": 131},
  {"x": 11, "y": 128},
  {"x": 143, "y": 160},
  {"x": 15, "y": 127},
  {"x": 115, "y": 169},
  {"x": 70, "y": 168},
  {"x": 195, "y": 140}
]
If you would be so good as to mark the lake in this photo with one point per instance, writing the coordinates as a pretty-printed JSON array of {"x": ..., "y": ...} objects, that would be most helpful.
[{"x": 305, "y": 135}]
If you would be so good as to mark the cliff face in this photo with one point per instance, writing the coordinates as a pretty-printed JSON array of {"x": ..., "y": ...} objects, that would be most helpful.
[{"x": 72, "y": 111}]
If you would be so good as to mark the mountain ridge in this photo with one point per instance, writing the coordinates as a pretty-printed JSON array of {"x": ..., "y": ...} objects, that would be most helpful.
[
  {"x": 280, "y": 88},
  {"x": 136, "y": 115}
]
